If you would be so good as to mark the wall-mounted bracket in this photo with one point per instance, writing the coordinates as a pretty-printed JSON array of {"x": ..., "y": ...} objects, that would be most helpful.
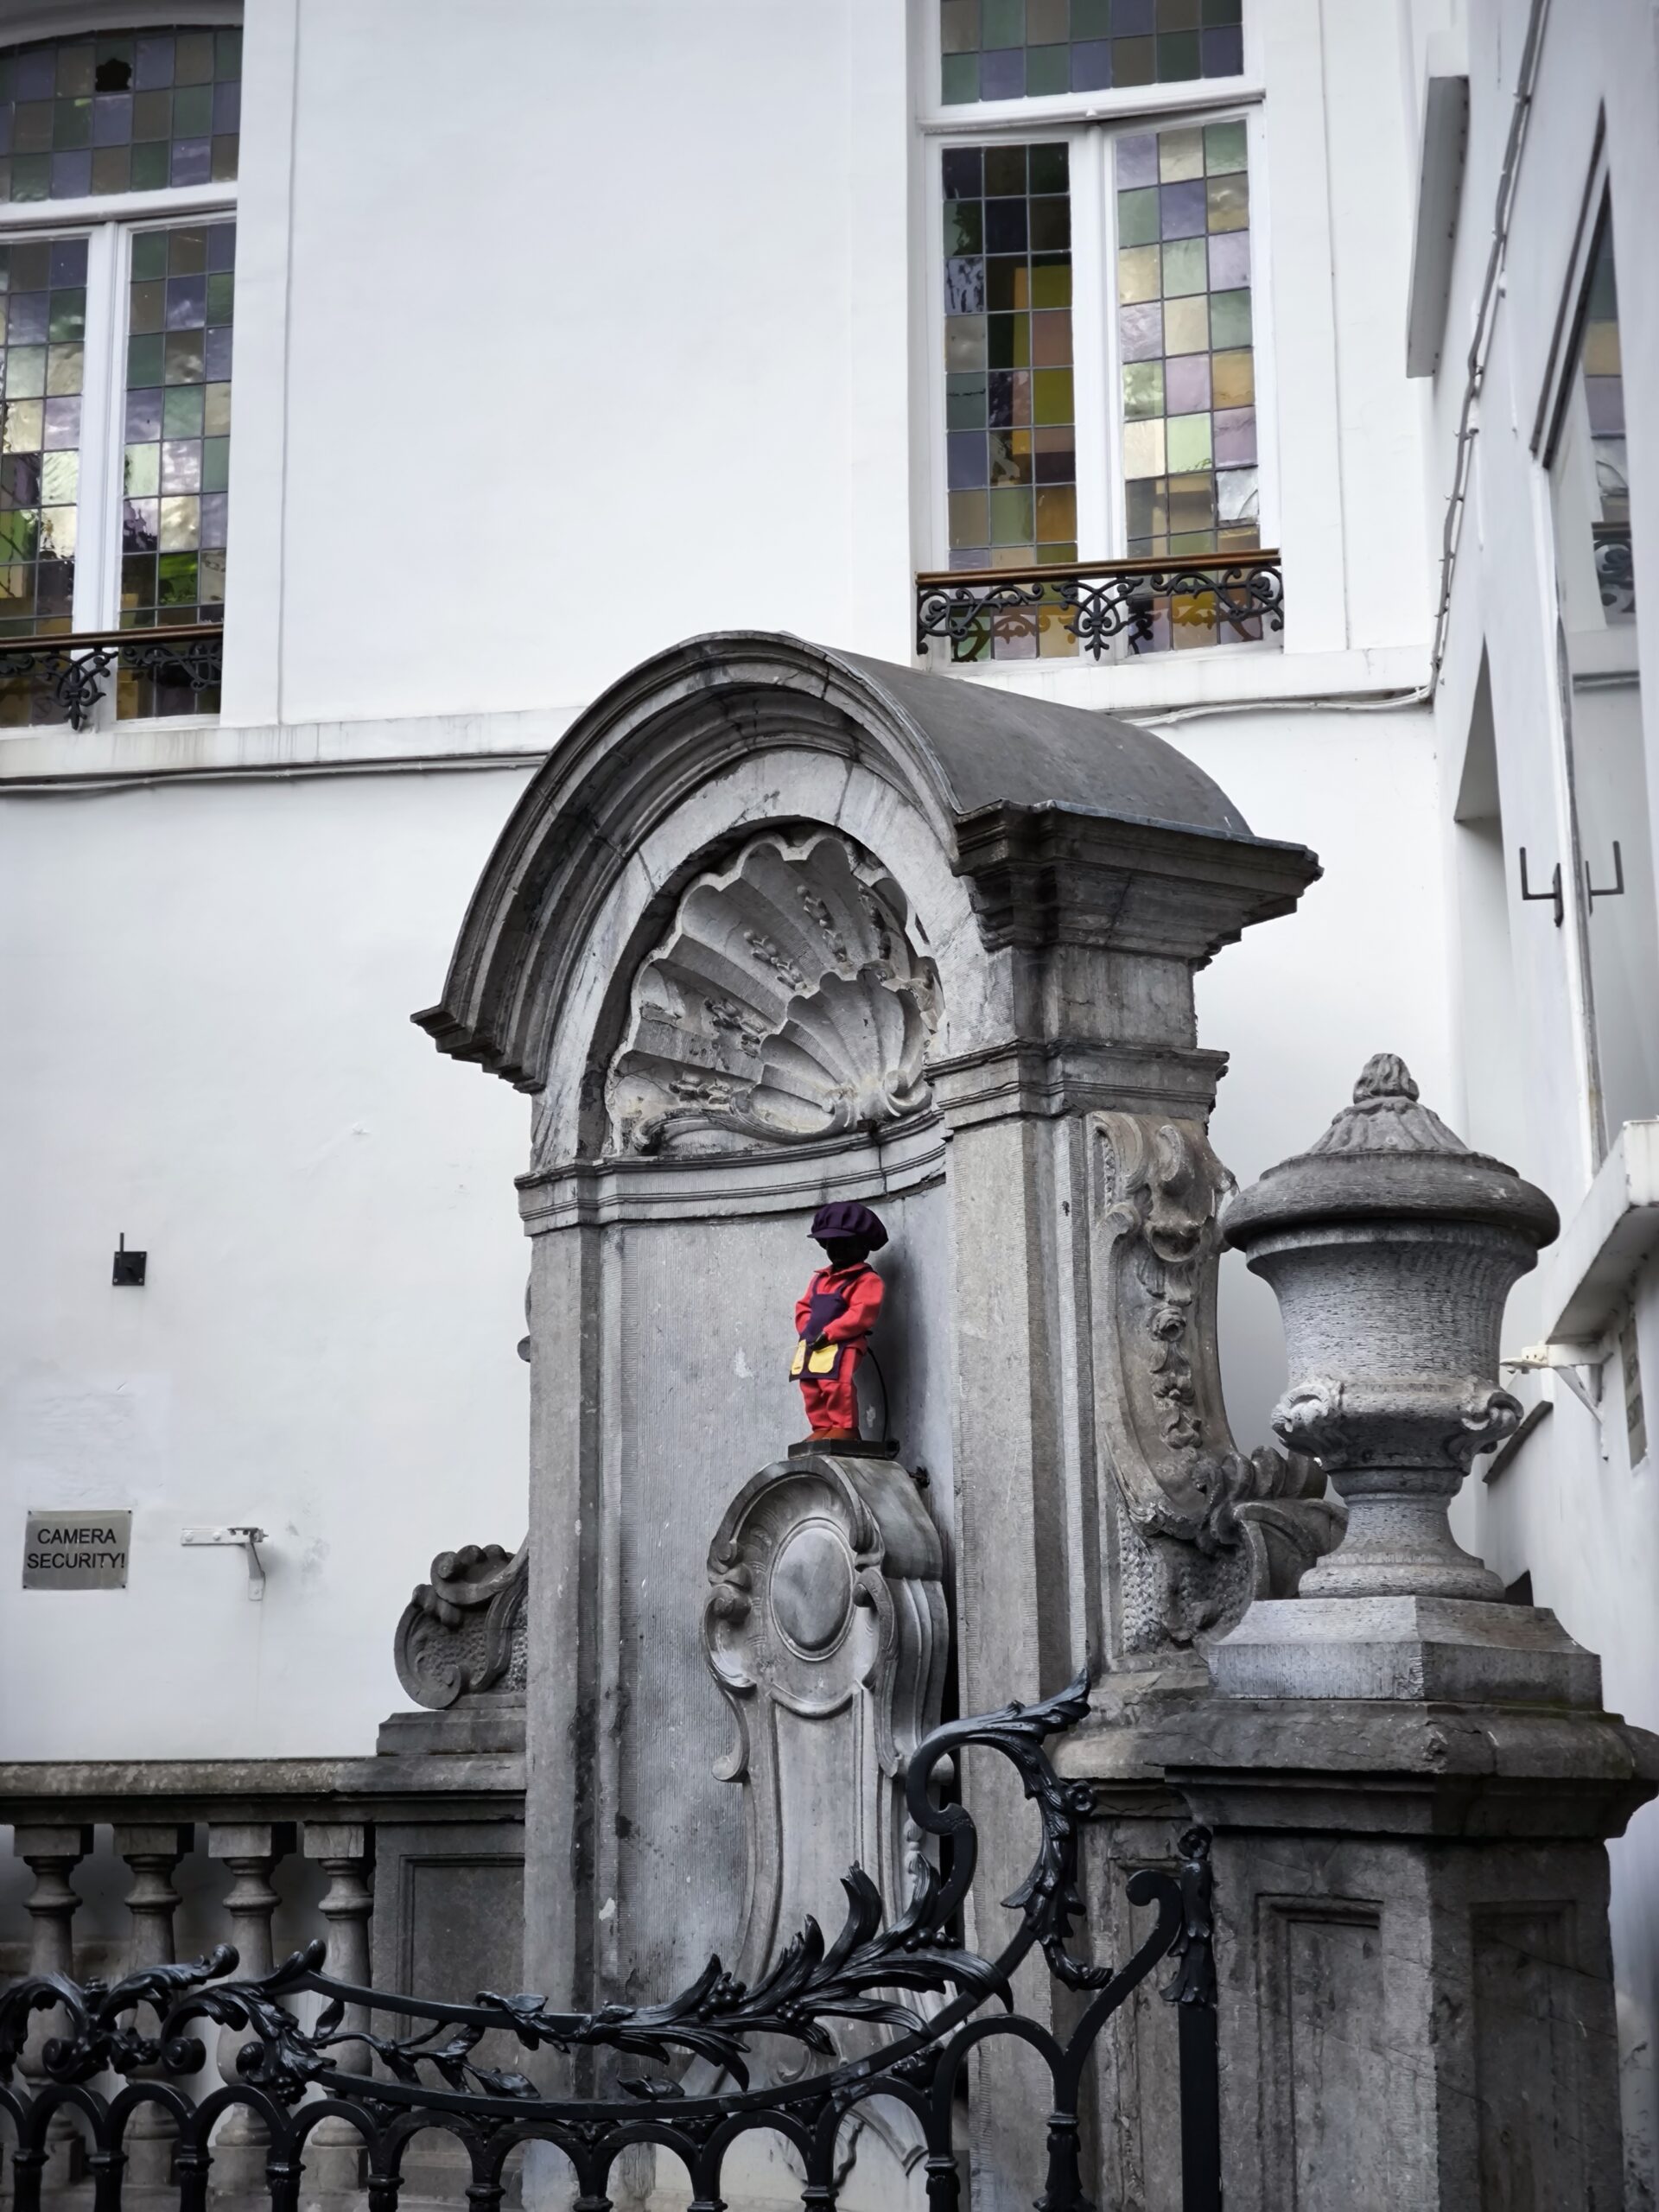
[
  {"x": 1553, "y": 894},
  {"x": 245, "y": 1536},
  {"x": 1579, "y": 1361},
  {"x": 1614, "y": 890}
]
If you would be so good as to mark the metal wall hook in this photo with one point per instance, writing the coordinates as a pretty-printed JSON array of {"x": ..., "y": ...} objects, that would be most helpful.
[
  {"x": 243, "y": 1533},
  {"x": 1614, "y": 890},
  {"x": 1553, "y": 894}
]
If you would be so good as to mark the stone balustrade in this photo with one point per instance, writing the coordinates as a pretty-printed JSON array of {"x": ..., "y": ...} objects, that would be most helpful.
[{"x": 408, "y": 1867}]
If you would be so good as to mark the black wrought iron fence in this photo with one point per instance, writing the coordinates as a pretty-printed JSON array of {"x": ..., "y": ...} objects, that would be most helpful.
[{"x": 104, "y": 2067}]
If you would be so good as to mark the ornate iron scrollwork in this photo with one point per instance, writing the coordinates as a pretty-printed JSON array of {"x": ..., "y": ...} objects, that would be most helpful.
[
  {"x": 75, "y": 670},
  {"x": 1097, "y": 602},
  {"x": 292, "y": 2077}
]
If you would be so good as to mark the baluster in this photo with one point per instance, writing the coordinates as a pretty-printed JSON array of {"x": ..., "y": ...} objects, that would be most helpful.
[
  {"x": 152, "y": 1854},
  {"x": 251, "y": 1850},
  {"x": 343, "y": 1850},
  {"x": 52, "y": 1855}
]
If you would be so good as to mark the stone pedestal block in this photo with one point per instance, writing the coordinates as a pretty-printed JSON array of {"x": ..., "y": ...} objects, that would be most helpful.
[
  {"x": 1416, "y": 1997},
  {"x": 1446, "y": 1650}
]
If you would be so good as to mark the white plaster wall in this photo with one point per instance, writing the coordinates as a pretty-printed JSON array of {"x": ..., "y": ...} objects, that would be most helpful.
[
  {"x": 587, "y": 325},
  {"x": 1570, "y": 1510},
  {"x": 205, "y": 994},
  {"x": 595, "y": 337}
]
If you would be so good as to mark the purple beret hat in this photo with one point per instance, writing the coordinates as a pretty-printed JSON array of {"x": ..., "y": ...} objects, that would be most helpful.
[{"x": 848, "y": 1218}]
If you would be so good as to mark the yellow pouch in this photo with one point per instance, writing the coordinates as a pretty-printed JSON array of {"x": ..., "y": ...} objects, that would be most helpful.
[{"x": 813, "y": 1362}]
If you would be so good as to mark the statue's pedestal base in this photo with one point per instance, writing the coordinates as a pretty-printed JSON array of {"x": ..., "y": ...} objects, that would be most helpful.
[
  {"x": 485, "y": 1722},
  {"x": 1416, "y": 1997},
  {"x": 1443, "y": 1650}
]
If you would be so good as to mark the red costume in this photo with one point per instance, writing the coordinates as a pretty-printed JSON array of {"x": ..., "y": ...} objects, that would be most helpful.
[{"x": 836, "y": 1312}]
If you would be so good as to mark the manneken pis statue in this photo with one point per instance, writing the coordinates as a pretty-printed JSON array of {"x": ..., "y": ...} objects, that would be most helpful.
[{"x": 834, "y": 1317}]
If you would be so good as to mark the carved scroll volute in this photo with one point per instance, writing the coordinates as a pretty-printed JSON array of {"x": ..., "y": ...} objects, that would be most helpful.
[
  {"x": 1214, "y": 1526},
  {"x": 825, "y": 1630},
  {"x": 464, "y": 1632},
  {"x": 1158, "y": 1187}
]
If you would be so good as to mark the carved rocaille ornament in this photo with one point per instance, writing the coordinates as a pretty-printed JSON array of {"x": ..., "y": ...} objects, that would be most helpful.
[
  {"x": 1392, "y": 1248},
  {"x": 825, "y": 1629},
  {"x": 465, "y": 1631},
  {"x": 1203, "y": 1527},
  {"x": 787, "y": 1002}
]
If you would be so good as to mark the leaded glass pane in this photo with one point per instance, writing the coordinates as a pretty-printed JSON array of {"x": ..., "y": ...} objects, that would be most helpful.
[
  {"x": 111, "y": 113},
  {"x": 1025, "y": 49},
  {"x": 1187, "y": 366},
  {"x": 176, "y": 468},
  {"x": 43, "y": 296},
  {"x": 1010, "y": 409}
]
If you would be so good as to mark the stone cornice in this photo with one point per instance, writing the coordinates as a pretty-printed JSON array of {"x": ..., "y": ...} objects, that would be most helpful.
[
  {"x": 908, "y": 1156},
  {"x": 384, "y": 1789},
  {"x": 1068, "y": 1074},
  {"x": 1448, "y": 1771},
  {"x": 1046, "y": 876}
]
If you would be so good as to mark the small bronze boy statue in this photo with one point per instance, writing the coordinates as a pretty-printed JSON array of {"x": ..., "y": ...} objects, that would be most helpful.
[{"x": 834, "y": 1317}]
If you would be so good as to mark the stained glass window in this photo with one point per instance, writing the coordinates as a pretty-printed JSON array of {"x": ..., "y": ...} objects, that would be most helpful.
[
  {"x": 43, "y": 291},
  {"x": 132, "y": 112},
  {"x": 1010, "y": 408},
  {"x": 1020, "y": 49},
  {"x": 1185, "y": 356},
  {"x": 176, "y": 468}
]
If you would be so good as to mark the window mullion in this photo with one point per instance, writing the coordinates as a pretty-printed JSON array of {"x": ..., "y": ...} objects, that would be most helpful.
[
  {"x": 98, "y": 529},
  {"x": 1094, "y": 352},
  {"x": 1262, "y": 334}
]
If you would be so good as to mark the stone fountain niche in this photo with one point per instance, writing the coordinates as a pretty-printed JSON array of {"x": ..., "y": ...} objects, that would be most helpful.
[{"x": 775, "y": 926}]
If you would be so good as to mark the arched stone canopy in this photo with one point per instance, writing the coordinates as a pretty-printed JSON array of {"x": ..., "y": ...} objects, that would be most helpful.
[
  {"x": 984, "y": 912},
  {"x": 949, "y": 784}
]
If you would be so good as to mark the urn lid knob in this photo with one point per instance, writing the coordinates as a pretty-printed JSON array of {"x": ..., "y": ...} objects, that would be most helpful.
[
  {"x": 1389, "y": 1155},
  {"x": 1386, "y": 1115}
]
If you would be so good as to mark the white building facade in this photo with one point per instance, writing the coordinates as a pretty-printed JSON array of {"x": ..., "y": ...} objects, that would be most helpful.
[{"x": 456, "y": 361}]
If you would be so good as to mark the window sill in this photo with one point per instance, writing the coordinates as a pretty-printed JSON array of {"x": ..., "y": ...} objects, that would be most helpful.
[
  {"x": 1607, "y": 1241},
  {"x": 1194, "y": 679},
  {"x": 207, "y": 748}
]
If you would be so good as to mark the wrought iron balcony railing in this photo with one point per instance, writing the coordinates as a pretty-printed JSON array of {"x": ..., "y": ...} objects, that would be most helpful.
[
  {"x": 67, "y": 676},
  {"x": 1103, "y": 609}
]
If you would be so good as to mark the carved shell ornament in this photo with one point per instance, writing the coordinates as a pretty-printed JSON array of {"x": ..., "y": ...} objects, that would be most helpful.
[{"x": 787, "y": 1002}]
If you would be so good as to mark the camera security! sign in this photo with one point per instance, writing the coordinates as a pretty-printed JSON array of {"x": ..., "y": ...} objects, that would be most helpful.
[{"x": 77, "y": 1548}]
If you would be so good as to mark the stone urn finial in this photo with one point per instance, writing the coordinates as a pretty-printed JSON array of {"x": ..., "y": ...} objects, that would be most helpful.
[{"x": 1392, "y": 1248}]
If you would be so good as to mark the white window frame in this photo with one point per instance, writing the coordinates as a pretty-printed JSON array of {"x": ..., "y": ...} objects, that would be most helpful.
[
  {"x": 1555, "y": 397},
  {"x": 1089, "y": 122},
  {"x": 109, "y": 221}
]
